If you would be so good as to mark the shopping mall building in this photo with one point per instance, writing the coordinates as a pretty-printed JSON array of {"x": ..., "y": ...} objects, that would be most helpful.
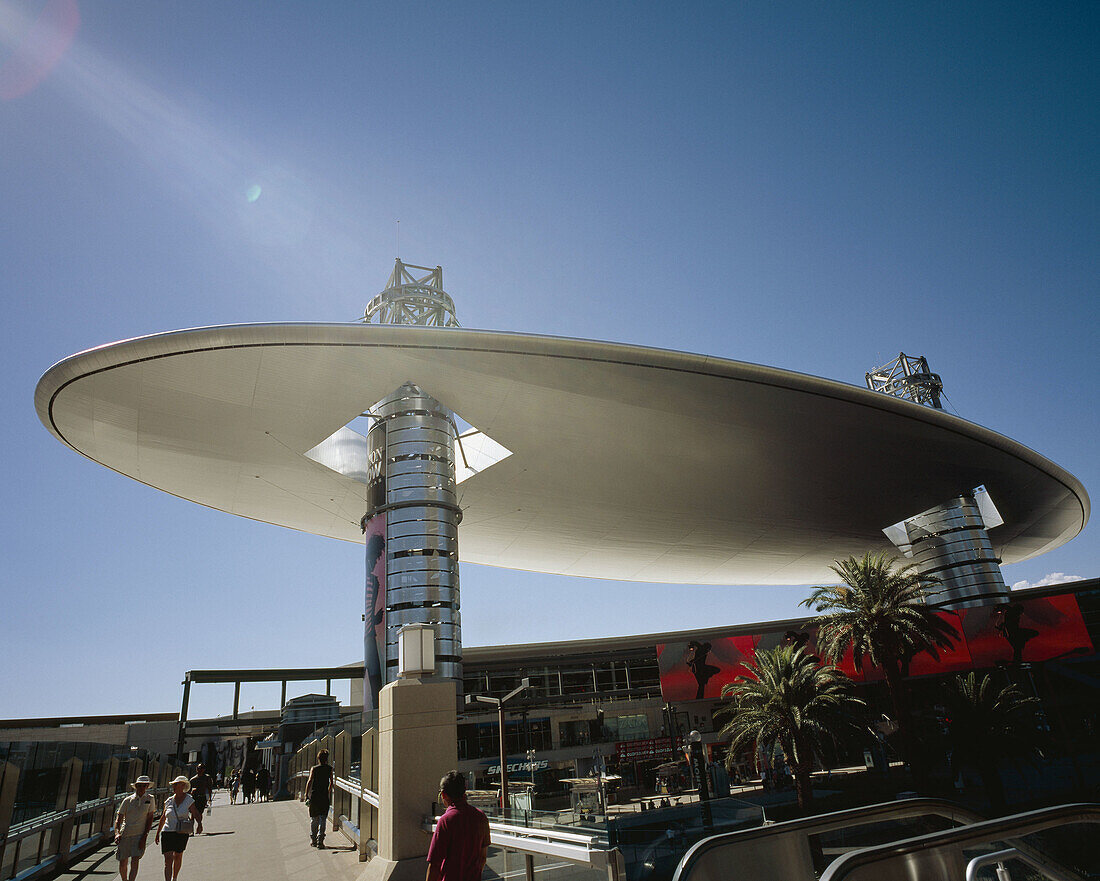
[
  {"x": 610, "y": 704},
  {"x": 616, "y": 700}
]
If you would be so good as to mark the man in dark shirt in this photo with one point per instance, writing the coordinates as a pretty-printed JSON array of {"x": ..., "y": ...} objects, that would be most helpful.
[
  {"x": 202, "y": 788},
  {"x": 460, "y": 844}
]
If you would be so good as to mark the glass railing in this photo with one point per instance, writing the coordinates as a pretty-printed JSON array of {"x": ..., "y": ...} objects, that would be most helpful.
[
  {"x": 512, "y": 865},
  {"x": 653, "y": 842},
  {"x": 59, "y": 799}
]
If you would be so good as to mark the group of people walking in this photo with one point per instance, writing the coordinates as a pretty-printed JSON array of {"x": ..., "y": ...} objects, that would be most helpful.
[
  {"x": 180, "y": 818},
  {"x": 253, "y": 785},
  {"x": 458, "y": 850}
]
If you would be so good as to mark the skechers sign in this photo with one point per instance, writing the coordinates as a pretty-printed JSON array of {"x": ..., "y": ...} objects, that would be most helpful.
[{"x": 513, "y": 767}]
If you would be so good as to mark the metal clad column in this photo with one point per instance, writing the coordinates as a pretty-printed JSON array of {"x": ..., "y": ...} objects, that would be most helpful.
[
  {"x": 422, "y": 517},
  {"x": 950, "y": 541}
]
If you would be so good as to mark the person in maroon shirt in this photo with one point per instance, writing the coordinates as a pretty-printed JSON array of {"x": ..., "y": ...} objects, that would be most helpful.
[{"x": 460, "y": 845}]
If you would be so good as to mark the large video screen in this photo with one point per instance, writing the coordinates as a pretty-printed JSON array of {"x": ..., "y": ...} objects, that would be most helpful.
[{"x": 1019, "y": 631}]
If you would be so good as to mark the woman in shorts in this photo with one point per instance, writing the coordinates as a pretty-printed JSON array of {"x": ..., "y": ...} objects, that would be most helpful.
[{"x": 181, "y": 817}]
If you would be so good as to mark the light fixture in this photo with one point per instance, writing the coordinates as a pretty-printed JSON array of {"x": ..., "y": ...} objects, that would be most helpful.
[{"x": 416, "y": 650}]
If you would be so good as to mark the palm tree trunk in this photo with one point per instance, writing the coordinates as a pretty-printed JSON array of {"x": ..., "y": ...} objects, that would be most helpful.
[
  {"x": 895, "y": 686},
  {"x": 994, "y": 788},
  {"x": 803, "y": 782}
]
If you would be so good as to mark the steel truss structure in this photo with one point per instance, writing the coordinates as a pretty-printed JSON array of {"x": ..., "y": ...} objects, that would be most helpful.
[
  {"x": 908, "y": 377},
  {"x": 413, "y": 299}
]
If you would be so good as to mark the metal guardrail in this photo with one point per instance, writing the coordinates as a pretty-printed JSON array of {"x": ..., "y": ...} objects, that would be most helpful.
[
  {"x": 585, "y": 850},
  {"x": 50, "y": 819},
  {"x": 356, "y": 789},
  {"x": 1000, "y": 857},
  {"x": 44, "y": 823},
  {"x": 781, "y": 851},
  {"x": 941, "y": 855}
]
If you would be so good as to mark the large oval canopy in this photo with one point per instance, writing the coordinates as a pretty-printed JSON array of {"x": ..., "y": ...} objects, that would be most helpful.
[{"x": 626, "y": 462}]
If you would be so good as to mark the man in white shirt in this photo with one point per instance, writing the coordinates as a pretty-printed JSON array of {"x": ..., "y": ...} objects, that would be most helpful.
[{"x": 132, "y": 824}]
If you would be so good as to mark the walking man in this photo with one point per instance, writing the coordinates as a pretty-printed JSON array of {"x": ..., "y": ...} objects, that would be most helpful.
[
  {"x": 460, "y": 845},
  {"x": 132, "y": 824},
  {"x": 202, "y": 788}
]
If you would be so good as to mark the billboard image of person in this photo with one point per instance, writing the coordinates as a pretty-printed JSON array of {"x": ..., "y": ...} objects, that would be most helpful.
[
  {"x": 698, "y": 669},
  {"x": 374, "y": 530},
  {"x": 374, "y": 636},
  {"x": 1026, "y": 630}
]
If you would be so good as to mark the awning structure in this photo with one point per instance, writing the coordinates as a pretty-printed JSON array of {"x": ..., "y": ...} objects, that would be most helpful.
[{"x": 624, "y": 462}]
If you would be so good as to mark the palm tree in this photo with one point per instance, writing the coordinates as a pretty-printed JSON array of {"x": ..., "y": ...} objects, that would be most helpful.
[
  {"x": 879, "y": 612},
  {"x": 986, "y": 725},
  {"x": 787, "y": 697}
]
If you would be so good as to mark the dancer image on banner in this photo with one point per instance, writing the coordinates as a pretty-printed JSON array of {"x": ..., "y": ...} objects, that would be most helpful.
[
  {"x": 697, "y": 663},
  {"x": 374, "y": 637},
  {"x": 1013, "y": 631}
]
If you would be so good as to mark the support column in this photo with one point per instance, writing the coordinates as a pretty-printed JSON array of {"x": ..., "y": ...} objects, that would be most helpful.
[
  {"x": 61, "y": 836},
  {"x": 418, "y": 744},
  {"x": 183, "y": 720},
  {"x": 368, "y": 778},
  {"x": 951, "y": 542},
  {"x": 9, "y": 782},
  {"x": 411, "y": 528},
  {"x": 108, "y": 782},
  {"x": 341, "y": 764}
]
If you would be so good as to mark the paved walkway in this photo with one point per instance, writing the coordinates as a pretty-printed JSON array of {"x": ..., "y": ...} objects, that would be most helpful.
[{"x": 267, "y": 841}]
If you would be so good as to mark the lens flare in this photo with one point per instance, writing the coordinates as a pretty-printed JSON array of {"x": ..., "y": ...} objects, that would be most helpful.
[
  {"x": 39, "y": 50},
  {"x": 253, "y": 192}
]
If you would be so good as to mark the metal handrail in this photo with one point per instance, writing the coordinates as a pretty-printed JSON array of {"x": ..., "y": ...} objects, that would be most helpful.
[
  {"x": 807, "y": 826},
  {"x": 542, "y": 832},
  {"x": 1054, "y": 873},
  {"x": 46, "y": 821},
  {"x": 576, "y": 847},
  {"x": 573, "y": 846},
  {"x": 357, "y": 789},
  {"x": 869, "y": 862},
  {"x": 55, "y": 818}
]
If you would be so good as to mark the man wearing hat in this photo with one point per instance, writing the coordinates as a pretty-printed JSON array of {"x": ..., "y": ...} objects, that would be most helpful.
[{"x": 132, "y": 824}]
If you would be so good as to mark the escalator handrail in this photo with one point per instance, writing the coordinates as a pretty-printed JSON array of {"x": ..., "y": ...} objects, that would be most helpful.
[
  {"x": 888, "y": 810},
  {"x": 999, "y": 829}
]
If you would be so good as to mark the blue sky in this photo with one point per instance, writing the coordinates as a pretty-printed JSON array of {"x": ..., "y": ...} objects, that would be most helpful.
[{"x": 806, "y": 185}]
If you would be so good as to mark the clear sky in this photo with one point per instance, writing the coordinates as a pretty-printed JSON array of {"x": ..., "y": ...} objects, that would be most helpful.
[{"x": 814, "y": 186}]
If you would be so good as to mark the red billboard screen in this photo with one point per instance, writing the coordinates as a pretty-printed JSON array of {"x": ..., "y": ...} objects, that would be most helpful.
[{"x": 1019, "y": 631}]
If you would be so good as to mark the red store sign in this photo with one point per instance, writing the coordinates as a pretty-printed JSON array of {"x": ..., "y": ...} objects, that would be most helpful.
[{"x": 636, "y": 750}]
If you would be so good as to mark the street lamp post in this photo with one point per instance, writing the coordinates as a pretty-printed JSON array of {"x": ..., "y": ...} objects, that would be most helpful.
[
  {"x": 699, "y": 766},
  {"x": 499, "y": 703}
]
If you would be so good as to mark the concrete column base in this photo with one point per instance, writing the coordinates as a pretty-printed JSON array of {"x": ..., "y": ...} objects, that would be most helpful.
[
  {"x": 417, "y": 744},
  {"x": 381, "y": 869}
]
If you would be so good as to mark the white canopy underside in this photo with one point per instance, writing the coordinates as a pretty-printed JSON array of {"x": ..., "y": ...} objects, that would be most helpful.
[{"x": 627, "y": 462}]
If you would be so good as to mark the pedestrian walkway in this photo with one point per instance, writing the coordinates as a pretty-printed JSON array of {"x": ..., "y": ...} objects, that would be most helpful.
[{"x": 265, "y": 841}]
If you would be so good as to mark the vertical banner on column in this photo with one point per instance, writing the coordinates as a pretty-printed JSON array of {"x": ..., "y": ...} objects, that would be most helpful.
[{"x": 374, "y": 636}]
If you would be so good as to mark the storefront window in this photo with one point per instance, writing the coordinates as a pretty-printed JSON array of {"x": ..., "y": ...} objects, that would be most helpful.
[
  {"x": 577, "y": 681},
  {"x": 632, "y": 727}
]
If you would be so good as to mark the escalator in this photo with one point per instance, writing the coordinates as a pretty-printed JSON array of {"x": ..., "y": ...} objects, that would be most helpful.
[{"x": 909, "y": 840}]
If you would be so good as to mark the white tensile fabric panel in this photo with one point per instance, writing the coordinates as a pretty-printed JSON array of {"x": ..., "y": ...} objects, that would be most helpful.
[{"x": 625, "y": 462}]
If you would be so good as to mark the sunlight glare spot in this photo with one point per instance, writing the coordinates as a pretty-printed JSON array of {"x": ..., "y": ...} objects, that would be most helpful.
[{"x": 41, "y": 48}]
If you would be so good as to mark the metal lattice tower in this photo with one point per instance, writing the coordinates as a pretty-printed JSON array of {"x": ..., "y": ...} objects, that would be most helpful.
[
  {"x": 908, "y": 377},
  {"x": 413, "y": 299}
]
